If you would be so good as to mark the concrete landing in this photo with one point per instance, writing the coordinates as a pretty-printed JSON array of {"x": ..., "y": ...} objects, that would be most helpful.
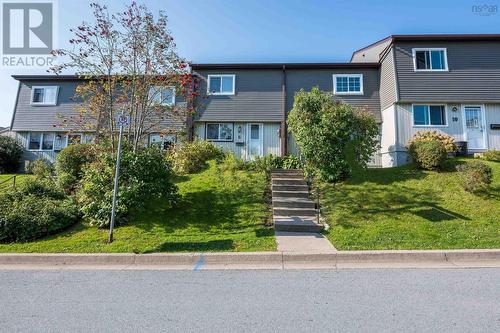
[{"x": 303, "y": 242}]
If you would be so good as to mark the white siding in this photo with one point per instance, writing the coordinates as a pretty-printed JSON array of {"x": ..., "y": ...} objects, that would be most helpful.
[
  {"x": 388, "y": 141},
  {"x": 492, "y": 117},
  {"x": 271, "y": 140}
]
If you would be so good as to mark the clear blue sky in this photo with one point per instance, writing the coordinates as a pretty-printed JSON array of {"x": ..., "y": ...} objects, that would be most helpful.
[{"x": 280, "y": 31}]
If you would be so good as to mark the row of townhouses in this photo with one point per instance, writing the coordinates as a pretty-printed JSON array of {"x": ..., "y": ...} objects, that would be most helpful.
[{"x": 449, "y": 83}]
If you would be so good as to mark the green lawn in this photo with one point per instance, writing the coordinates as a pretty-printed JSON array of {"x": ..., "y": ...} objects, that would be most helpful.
[
  {"x": 406, "y": 208},
  {"x": 218, "y": 211},
  {"x": 6, "y": 181}
]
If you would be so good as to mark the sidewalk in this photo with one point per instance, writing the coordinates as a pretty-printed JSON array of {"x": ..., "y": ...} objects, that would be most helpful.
[
  {"x": 303, "y": 242},
  {"x": 257, "y": 260}
]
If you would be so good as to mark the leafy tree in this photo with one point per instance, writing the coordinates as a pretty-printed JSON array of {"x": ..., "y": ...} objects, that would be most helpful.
[
  {"x": 333, "y": 136},
  {"x": 10, "y": 154},
  {"x": 127, "y": 60}
]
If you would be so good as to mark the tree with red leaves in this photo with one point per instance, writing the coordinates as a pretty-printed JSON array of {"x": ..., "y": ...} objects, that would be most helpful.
[{"x": 130, "y": 65}]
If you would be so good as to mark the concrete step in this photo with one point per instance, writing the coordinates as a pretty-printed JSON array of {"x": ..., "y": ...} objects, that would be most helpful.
[
  {"x": 293, "y": 203},
  {"x": 293, "y": 211},
  {"x": 290, "y": 194},
  {"x": 290, "y": 188},
  {"x": 289, "y": 171},
  {"x": 287, "y": 175},
  {"x": 297, "y": 224},
  {"x": 289, "y": 181}
]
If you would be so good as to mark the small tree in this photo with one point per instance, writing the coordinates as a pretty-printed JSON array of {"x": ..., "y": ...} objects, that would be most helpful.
[
  {"x": 332, "y": 136},
  {"x": 10, "y": 154},
  {"x": 129, "y": 62}
]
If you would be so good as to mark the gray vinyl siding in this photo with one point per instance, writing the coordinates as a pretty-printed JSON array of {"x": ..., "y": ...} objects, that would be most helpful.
[
  {"x": 44, "y": 118},
  {"x": 257, "y": 97},
  {"x": 388, "y": 88},
  {"x": 306, "y": 79},
  {"x": 473, "y": 76}
]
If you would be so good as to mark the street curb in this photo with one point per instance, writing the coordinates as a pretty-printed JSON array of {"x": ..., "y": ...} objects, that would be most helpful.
[{"x": 258, "y": 260}]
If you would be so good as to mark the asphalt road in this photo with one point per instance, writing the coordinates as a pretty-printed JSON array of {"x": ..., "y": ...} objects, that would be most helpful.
[{"x": 453, "y": 300}]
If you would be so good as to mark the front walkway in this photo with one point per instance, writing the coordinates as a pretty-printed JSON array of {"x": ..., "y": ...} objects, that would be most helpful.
[
  {"x": 303, "y": 242},
  {"x": 295, "y": 215}
]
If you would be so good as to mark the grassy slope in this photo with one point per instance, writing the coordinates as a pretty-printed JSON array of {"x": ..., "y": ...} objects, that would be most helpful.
[
  {"x": 217, "y": 212},
  {"x": 8, "y": 184},
  {"x": 405, "y": 208}
]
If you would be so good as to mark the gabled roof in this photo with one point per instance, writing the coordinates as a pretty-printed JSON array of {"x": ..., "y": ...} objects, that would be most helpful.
[{"x": 428, "y": 37}]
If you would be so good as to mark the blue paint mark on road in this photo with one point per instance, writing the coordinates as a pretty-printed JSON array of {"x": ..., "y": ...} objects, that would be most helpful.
[{"x": 199, "y": 263}]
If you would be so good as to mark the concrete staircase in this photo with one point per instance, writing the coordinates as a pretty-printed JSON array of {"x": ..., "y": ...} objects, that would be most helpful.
[{"x": 293, "y": 210}]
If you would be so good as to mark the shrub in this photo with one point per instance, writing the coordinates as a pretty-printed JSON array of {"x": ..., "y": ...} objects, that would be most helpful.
[
  {"x": 233, "y": 163},
  {"x": 267, "y": 163},
  {"x": 69, "y": 164},
  {"x": 327, "y": 130},
  {"x": 292, "y": 162},
  {"x": 491, "y": 155},
  {"x": 144, "y": 175},
  {"x": 35, "y": 209},
  {"x": 10, "y": 154},
  {"x": 427, "y": 136},
  {"x": 41, "y": 168},
  {"x": 475, "y": 176},
  {"x": 429, "y": 155},
  {"x": 190, "y": 157}
]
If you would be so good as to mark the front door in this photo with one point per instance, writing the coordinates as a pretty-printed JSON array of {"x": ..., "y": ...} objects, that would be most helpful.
[
  {"x": 255, "y": 140},
  {"x": 474, "y": 127}
]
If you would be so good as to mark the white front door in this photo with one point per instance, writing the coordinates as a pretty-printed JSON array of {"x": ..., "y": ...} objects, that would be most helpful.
[
  {"x": 255, "y": 140},
  {"x": 474, "y": 127}
]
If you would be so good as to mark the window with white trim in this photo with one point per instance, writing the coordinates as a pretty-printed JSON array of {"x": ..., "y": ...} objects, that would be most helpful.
[
  {"x": 162, "y": 95},
  {"x": 221, "y": 84},
  {"x": 74, "y": 139},
  {"x": 46, "y": 95},
  {"x": 219, "y": 132},
  {"x": 41, "y": 141},
  {"x": 348, "y": 84},
  {"x": 429, "y": 115},
  {"x": 161, "y": 140},
  {"x": 430, "y": 59}
]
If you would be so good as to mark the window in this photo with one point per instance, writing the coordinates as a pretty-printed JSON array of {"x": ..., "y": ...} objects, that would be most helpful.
[
  {"x": 346, "y": 84},
  {"x": 429, "y": 115},
  {"x": 161, "y": 140},
  {"x": 44, "y": 95},
  {"x": 219, "y": 132},
  {"x": 74, "y": 139},
  {"x": 430, "y": 60},
  {"x": 162, "y": 95},
  {"x": 221, "y": 84},
  {"x": 34, "y": 141},
  {"x": 41, "y": 141}
]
